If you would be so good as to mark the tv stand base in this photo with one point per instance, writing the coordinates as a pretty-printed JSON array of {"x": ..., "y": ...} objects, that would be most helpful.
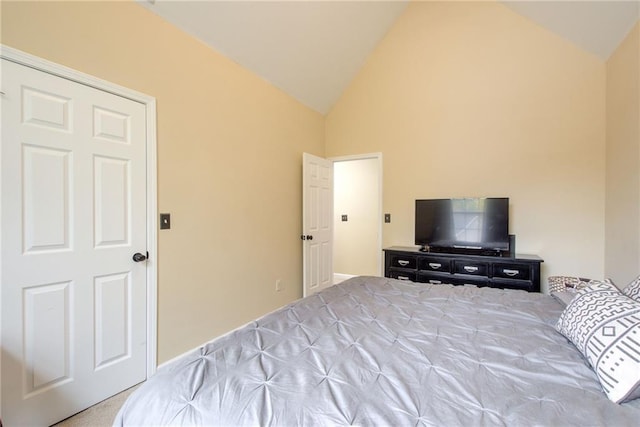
[{"x": 465, "y": 251}]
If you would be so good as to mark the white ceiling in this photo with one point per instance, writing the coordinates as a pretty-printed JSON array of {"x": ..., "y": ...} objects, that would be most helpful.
[
  {"x": 312, "y": 49},
  {"x": 595, "y": 26}
]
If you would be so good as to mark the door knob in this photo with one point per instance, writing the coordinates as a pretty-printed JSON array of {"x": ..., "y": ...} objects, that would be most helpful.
[
  {"x": 138, "y": 257},
  {"x": 309, "y": 237}
]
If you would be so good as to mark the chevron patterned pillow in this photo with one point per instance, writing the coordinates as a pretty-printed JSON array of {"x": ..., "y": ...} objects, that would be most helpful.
[
  {"x": 604, "y": 325},
  {"x": 633, "y": 289}
]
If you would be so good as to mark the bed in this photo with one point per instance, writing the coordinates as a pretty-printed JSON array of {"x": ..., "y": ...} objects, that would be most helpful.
[{"x": 379, "y": 352}]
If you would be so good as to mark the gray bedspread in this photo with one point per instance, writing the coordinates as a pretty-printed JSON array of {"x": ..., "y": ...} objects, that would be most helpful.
[{"x": 382, "y": 352}]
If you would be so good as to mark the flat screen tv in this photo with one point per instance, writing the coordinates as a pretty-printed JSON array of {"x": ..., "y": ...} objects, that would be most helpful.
[{"x": 473, "y": 224}]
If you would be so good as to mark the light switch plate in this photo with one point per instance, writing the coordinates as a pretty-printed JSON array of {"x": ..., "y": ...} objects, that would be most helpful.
[{"x": 165, "y": 221}]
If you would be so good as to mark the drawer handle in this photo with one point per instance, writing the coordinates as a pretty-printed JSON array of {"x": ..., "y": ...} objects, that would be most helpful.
[
  {"x": 403, "y": 278},
  {"x": 403, "y": 262},
  {"x": 511, "y": 273},
  {"x": 435, "y": 282},
  {"x": 435, "y": 265},
  {"x": 470, "y": 268}
]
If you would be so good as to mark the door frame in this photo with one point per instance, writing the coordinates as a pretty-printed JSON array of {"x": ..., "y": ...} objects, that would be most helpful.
[
  {"x": 378, "y": 157},
  {"x": 26, "y": 59}
]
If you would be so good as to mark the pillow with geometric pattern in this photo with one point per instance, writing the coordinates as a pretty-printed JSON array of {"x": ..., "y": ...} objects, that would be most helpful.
[
  {"x": 604, "y": 325},
  {"x": 633, "y": 289}
]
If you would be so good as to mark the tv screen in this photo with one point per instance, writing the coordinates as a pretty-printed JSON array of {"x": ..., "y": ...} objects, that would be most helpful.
[{"x": 473, "y": 223}]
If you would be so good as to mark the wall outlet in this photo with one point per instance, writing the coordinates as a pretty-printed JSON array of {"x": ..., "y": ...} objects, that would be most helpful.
[{"x": 278, "y": 285}]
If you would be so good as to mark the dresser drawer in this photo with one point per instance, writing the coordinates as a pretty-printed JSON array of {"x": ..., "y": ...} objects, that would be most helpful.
[
  {"x": 460, "y": 280},
  {"x": 474, "y": 268},
  {"x": 434, "y": 278},
  {"x": 403, "y": 261},
  {"x": 435, "y": 264},
  {"x": 523, "y": 285},
  {"x": 402, "y": 275},
  {"x": 512, "y": 271}
]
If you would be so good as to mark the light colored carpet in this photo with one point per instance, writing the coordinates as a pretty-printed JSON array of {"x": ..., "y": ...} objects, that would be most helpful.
[{"x": 99, "y": 415}]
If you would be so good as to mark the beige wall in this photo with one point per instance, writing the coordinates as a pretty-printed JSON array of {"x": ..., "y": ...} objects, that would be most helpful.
[
  {"x": 229, "y": 160},
  {"x": 356, "y": 194},
  {"x": 470, "y": 99},
  {"x": 462, "y": 99},
  {"x": 622, "y": 256}
]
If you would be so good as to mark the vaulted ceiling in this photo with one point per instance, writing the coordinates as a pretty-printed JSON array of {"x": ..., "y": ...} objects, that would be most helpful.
[{"x": 312, "y": 49}]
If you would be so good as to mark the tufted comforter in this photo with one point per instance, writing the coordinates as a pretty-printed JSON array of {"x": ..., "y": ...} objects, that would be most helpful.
[{"x": 382, "y": 352}]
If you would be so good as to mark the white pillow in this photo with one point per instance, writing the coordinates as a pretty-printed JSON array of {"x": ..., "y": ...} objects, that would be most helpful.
[
  {"x": 604, "y": 325},
  {"x": 564, "y": 297},
  {"x": 632, "y": 290}
]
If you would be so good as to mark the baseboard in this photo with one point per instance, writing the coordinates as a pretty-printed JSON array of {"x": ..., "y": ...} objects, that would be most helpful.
[
  {"x": 339, "y": 277},
  {"x": 188, "y": 352}
]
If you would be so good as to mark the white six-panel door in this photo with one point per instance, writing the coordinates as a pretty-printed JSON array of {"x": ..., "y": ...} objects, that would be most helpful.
[
  {"x": 73, "y": 214},
  {"x": 317, "y": 223}
]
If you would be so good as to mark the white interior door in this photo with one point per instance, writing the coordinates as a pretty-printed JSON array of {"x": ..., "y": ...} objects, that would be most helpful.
[
  {"x": 73, "y": 214},
  {"x": 317, "y": 223}
]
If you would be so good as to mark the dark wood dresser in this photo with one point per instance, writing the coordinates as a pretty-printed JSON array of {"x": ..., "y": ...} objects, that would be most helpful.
[{"x": 519, "y": 272}]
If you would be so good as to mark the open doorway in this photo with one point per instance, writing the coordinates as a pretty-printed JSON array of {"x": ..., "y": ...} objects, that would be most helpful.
[{"x": 357, "y": 209}]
